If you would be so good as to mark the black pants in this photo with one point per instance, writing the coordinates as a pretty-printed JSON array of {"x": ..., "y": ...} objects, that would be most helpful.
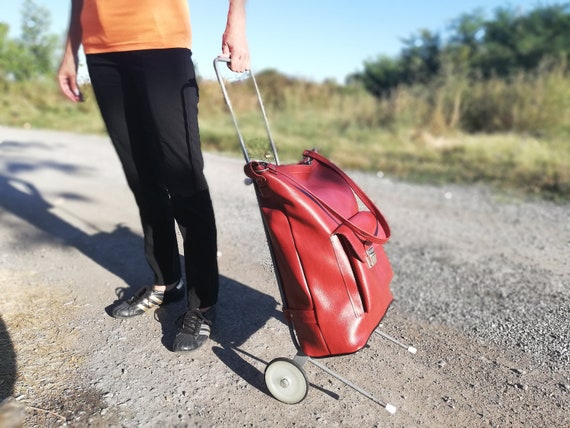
[{"x": 149, "y": 103}]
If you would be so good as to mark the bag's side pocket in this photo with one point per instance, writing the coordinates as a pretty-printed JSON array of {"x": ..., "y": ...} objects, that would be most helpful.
[
  {"x": 367, "y": 260},
  {"x": 344, "y": 253}
]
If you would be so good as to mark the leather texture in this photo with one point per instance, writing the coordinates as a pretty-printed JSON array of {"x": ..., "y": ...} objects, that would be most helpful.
[{"x": 328, "y": 250}]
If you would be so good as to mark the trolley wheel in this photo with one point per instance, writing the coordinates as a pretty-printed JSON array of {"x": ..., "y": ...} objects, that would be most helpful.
[{"x": 286, "y": 380}]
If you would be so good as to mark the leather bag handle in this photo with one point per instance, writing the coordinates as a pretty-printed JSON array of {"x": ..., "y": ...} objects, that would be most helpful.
[{"x": 354, "y": 187}]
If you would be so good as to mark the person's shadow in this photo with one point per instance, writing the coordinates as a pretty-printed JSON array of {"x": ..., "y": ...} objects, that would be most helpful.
[{"x": 112, "y": 251}]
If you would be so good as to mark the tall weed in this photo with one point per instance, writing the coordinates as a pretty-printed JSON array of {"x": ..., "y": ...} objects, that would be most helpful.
[{"x": 513, "y": 134}]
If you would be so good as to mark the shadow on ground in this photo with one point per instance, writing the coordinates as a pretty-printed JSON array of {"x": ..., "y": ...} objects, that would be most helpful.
[
  {"x": 110, "y": 250},
  {"x": 7, "y": 363},
  {"x": 242, "y": 310}
]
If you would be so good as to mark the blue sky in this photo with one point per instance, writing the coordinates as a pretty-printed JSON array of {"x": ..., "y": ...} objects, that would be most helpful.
[{"x": 305, "y": 38}]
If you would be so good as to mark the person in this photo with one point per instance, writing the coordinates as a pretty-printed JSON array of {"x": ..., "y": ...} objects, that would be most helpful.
[{"x": 138, "y": 56}]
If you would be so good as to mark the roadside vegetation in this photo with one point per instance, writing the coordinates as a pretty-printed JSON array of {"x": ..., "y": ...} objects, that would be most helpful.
[{"x": 490, "y": 104}]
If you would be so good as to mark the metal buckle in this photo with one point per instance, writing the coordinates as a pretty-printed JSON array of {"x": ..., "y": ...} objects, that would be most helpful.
[{"x": 371, "y": 256}]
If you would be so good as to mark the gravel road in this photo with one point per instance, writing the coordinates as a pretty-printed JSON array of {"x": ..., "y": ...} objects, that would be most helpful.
[{"x": 481, "y": 289}]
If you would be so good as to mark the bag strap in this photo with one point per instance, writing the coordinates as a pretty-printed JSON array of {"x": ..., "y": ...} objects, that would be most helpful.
[{"x": 354, "y": 187}]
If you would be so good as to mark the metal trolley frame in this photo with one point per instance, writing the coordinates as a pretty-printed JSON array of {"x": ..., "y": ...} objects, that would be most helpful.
[{"x": 285, "y": 378}]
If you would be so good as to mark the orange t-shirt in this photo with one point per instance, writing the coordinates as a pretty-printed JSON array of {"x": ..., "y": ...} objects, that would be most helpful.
[{"x": 126, "y": 25}]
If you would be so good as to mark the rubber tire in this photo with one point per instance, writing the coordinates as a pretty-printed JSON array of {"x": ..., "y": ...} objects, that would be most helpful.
[{"x": 286, "y": 380}]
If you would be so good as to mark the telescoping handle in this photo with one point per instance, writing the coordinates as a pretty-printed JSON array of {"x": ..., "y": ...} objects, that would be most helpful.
[{"x": 222, "y": 83}]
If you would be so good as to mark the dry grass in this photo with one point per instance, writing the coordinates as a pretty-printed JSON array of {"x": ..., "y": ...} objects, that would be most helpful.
[
  {"x": 512, "y": 134},
  {"x": 39, "y": 378}
]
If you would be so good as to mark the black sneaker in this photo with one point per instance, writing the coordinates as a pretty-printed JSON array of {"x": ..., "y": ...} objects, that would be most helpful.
[
  {"x": 148, "y": 298},
  {"x": 195, "y": 329}
]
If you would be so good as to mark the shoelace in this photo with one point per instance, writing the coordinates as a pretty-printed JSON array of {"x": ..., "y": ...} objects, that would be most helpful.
[
  {"x": 142, "y": 292},
  {"x": 138, "y": 295},
  {"x": 193, "y": 325},
  {"x": 120, "y": 292}
]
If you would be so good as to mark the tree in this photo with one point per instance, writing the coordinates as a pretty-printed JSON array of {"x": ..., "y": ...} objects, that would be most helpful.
[
  {"x": 515, "y": 42},
  {"x": 36, "y": 42},
  {"x": 380, "y": 76},
  {"x": 420, "y": 58},
  {"x": 465, "y": 43},
  {"x": 502, "y": 46},
  {"x": 33, "y": 54},
  {"x": 9, "y": 53}
]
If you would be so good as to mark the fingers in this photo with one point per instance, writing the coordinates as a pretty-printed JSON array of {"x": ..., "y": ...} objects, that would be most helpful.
[
  {"x": 69, "y": 88},
  {"x": 239, "y": 58},
  {"x": 239, "y": 62},
  {"x": 234, "y": 47},
  {"x": 67, "y": 78}
]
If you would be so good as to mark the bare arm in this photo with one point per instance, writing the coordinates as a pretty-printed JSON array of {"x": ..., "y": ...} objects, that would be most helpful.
[
  {"x": 67, "y": 74},
  {"x": 234, "y": 40}
]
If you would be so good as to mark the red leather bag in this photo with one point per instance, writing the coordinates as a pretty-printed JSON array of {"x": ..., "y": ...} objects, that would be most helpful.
[{"x": 332, "y": 268}]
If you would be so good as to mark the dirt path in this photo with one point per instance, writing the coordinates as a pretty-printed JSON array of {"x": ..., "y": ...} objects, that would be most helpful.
[{"x": 481, "y": 286}]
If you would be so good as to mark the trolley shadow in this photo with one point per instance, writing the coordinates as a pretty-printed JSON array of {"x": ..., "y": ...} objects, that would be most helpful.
[
  {"x": 241, "y": 312},
  {"x": 244, "y": 311}
]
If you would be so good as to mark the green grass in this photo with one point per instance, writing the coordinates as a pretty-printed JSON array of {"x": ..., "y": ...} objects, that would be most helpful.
[{"x": 510, "y": 135}]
